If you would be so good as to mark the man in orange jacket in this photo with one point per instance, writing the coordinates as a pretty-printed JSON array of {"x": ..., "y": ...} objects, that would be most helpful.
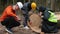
[{"x": 9, "y": 18}]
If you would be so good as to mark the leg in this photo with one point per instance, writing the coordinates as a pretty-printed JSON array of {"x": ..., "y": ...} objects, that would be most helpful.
[
  {"x": 25, "y": 20},
  {"x": 6, "y": 24},
  {"x": 9, "y": 23},
  {"x": 13, "y": 23}
]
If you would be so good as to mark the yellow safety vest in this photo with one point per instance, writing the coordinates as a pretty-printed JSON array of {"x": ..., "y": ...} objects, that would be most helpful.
[{"x": 52, "y": 17}]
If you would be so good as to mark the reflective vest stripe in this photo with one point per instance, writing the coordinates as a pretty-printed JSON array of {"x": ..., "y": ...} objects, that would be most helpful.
[{"x": 52, "y": 17}]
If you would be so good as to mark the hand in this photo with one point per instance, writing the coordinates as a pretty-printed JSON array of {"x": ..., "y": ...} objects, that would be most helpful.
[
  {"x": 40, "y": 13},
  {"x": 18, "y": 18}
]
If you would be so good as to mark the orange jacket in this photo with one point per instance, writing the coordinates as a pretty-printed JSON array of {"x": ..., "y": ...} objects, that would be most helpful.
[{"x": 8, "y": 11}]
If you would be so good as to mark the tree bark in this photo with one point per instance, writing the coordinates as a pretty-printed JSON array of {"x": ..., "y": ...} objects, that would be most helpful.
[{"x": 52, "y": 4}]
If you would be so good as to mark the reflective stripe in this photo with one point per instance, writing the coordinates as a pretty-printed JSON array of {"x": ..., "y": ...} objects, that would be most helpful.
[{"x": 52, "y": 17}]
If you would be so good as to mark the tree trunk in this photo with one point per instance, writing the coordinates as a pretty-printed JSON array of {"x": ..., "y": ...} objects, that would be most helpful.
[
  {"x": 52, "y": 4},
  {"x": 13, "y": 1},
  {"x": 48, "y": 3}
]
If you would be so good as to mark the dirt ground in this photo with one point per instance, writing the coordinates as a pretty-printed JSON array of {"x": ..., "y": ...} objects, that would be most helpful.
[
  {"x": 16, "y": 30},
  {"x": 19, "y": 30}
]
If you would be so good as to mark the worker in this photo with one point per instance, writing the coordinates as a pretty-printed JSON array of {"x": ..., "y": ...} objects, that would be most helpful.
[
  {"x": 49, "y": 23},
  {"x": 26, "y": 8},
  {"x": 9, "y": 19}
]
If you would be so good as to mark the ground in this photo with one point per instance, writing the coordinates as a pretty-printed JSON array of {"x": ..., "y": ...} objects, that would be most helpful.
[{"x": 19, "y": 30}]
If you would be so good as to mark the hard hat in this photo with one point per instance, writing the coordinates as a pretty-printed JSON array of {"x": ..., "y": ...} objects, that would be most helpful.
[
  {"x": 33, "y": 5},
  {"x": 20, "y": 4},
  {"x": 42, "y": 9}
]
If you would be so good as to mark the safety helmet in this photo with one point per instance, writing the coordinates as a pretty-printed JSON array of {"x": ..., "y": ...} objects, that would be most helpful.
[
  {"x": 42, "y": 9},
  {"x": 33, "y": 5},
  {"x": 20, "y": 4}
]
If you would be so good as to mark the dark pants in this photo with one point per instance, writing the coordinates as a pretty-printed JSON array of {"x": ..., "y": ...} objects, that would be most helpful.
[
  {"x": 49, "y": 27},
  {"x": 26, "y": 18},
  {"x": 10, "y": 22}
]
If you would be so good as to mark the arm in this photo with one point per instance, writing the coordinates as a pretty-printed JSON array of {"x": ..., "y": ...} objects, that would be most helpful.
[
  {"x": 46, "y": 15},
  {"x": 9, "y": 12}
]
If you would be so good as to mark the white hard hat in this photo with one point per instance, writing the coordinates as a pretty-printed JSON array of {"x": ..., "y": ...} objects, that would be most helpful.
[{"x": 20, "y": 4}]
